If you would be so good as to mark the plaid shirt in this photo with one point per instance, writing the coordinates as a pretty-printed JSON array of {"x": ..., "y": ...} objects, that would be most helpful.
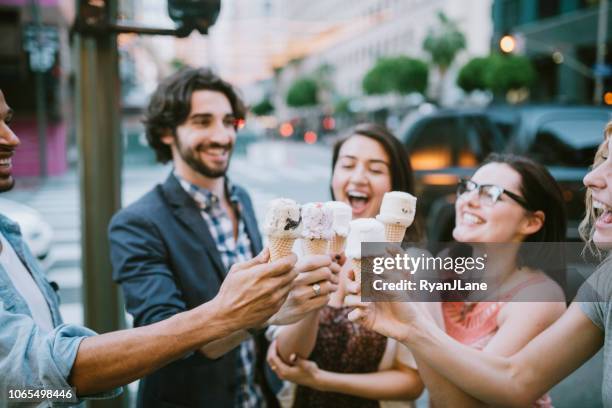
[{"x": 231, "y": 250}]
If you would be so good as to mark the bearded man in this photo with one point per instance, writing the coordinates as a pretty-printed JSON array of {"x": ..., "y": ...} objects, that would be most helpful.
[{"x": 171, "y": 249}]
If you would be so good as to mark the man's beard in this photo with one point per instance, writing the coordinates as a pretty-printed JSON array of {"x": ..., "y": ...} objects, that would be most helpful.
[{"x": 190, "y": 156}]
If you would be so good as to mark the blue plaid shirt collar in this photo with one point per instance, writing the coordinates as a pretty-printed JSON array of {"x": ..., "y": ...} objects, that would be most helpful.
[{"x": 205, "y": 199}]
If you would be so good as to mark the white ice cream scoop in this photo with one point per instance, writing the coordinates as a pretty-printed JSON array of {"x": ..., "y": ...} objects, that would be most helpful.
[{"x": 363, "y": 230}]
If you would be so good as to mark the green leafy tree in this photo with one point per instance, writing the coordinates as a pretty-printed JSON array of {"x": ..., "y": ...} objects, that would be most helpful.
[
  {"x": 264, "y": 107},
  {"x": 303, "y": 92},
  {"x": 396, "y": 74},
  {"x": 342, "y": 106},
  {"x": 472, "y": 75},
  {"x": 443, "y": 42},
  {"x": 323, "y": 76},
  {"x": 508, "y": 72}
]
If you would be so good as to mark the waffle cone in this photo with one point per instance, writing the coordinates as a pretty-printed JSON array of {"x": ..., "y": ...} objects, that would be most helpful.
[
  {"x": 357, "y": 269},
  {"x": 315, "y": 246},
  {"x": 395, "y": 232},
  {"x": 336, "y": 245},
  {"x": 280, "y": 247}
]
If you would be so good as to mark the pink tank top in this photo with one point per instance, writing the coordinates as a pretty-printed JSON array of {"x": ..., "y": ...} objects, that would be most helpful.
[{"x": 475, "y": 324}]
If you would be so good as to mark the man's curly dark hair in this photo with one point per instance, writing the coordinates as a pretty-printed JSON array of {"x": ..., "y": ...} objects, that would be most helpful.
[{"x": 170, "y": 105}]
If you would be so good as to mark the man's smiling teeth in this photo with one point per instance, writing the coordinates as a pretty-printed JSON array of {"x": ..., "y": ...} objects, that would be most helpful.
[
  {"x": 472, "y": 219},
  {"x": 216, "y": 151},
  {"x": 5, "y": 162}
]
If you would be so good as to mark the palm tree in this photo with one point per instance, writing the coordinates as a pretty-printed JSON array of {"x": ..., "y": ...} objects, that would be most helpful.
[{"x": 443, "y": 42}]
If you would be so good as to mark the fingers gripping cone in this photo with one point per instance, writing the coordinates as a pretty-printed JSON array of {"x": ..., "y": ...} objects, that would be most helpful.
[{"x": 357, "y": 269}]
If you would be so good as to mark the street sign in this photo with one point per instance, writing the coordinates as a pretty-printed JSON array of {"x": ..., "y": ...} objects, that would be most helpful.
[
  {"x": 602, "y": 70},
  {"x": 41, "y": 42}
]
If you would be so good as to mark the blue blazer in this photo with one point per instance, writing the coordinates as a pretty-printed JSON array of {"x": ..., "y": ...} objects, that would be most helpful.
[{"x": 166, "y": 261}]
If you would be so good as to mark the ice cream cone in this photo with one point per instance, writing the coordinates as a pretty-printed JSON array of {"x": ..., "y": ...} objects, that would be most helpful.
[
  {"x": 280, "y": 247},
  {"x": 357, "y": 269},
  {"x": 395, "y": 232},
  {"x": 336, "y": 245},
  {"x": 315, "y": 246}
]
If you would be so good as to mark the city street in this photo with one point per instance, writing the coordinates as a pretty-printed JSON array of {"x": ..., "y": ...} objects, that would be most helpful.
[{"x": 269, "y": 170}]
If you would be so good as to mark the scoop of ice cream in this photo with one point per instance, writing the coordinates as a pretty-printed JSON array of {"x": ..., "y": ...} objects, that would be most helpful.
[
  {"x": 397, "y": 208},
  {"x": 363, "y": 230},
  {"x": 317, "y": 221},
  {"x": 283, "y": 219},
  {"x": 341, "y": 217}
]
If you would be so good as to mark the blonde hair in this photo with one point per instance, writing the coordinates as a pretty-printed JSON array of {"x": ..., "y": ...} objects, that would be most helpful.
[{"x": 587, "y": 226}]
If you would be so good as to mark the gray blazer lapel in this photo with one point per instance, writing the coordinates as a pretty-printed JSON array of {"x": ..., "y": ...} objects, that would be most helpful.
[
  {"x": 186, "y": 210},
  {"x": 250, "y": 223}
]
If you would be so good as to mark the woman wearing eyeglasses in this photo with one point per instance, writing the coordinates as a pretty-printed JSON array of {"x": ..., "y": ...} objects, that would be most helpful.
[{"x": 509, "y": 199}]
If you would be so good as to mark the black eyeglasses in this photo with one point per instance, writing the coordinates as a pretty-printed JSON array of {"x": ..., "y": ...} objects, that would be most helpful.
[{"x": 488, "y": 194}]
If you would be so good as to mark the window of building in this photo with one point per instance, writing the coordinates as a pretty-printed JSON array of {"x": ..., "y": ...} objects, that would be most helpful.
[
  {"x": 548, "y": 8},
  {"x": 510, "y": 14}
]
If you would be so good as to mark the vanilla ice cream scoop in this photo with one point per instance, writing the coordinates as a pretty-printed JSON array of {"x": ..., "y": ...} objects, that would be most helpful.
[
  {"x": 341, "y": 217},
  {"x": 397, "y": 208},
  {"x": 363, "y": 230},
  {"x": 283, "y": 219},
  {"x": 317, "y": 220}
]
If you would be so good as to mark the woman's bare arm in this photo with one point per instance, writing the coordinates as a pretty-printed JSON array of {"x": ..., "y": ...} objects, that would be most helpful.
[{"x": 518, "y": 380}]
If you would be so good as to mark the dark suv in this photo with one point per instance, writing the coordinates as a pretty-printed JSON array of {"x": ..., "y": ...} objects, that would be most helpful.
[{"x": 449, "y": 144}]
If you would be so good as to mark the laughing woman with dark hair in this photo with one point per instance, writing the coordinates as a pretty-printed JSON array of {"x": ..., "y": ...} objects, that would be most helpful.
[{"x": 334, "y": 362}]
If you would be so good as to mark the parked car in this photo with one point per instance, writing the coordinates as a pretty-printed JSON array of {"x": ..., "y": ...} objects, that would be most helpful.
[
  {"x": 36, "y": 232},
  {"x": 446, "y": 145}
]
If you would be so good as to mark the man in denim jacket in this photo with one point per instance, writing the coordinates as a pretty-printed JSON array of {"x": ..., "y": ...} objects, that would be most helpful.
[{"x": 38, "y": 351}]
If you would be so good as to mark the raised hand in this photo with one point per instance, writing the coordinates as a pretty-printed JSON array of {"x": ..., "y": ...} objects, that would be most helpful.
[
  {"x": 255, "y": 290},
  {"x": 305, "y": 297}
]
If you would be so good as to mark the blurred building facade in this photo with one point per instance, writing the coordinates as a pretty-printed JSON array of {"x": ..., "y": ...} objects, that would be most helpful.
[
  {"x": 560, "y": 38},
  {"x": 18, "y": 82},
  {"x": 365, "y": 30}
]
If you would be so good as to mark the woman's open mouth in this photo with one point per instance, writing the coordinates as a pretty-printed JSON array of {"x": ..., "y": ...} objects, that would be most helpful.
[
  {"x": 358, "y": 201},
  {"x": 604, "y": 213}
]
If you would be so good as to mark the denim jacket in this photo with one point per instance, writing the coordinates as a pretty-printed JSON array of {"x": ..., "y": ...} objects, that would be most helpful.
[{"x": 30, "y": 358}]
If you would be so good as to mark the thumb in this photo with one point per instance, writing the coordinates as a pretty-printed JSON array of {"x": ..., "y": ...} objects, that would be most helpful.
[
  {"x": 300, "y": 362},
  {"x": 262, "y": 258},
  {"x": 357, "y": 316}
]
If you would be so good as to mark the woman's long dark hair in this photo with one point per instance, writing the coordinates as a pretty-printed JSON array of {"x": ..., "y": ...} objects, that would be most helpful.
[
  {"x": 402, "y": 178},
  {"x": 542, "y": 249},
  {"x": 541, "y": 193}
]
